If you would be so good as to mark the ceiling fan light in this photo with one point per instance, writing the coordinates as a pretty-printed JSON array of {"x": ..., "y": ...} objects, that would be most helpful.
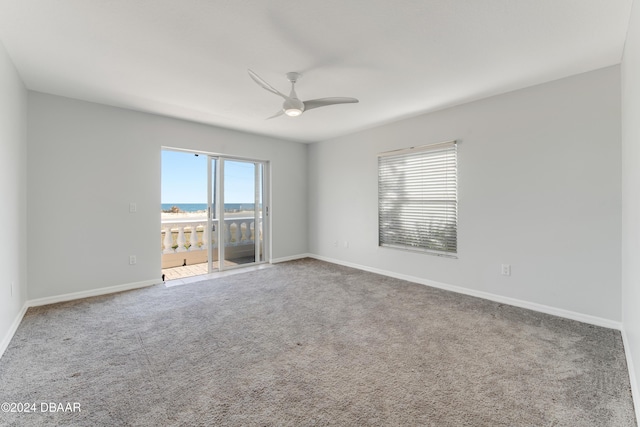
[{"x": 293, "y": 112}]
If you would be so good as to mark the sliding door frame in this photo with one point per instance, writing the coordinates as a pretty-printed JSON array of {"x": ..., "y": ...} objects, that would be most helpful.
[{"x": 262, "y": 252}]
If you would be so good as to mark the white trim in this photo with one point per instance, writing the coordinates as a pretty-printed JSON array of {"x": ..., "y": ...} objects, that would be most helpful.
[
  {"x": 585, "y": 318},
  {"x": 418, "y": 148},
  {"x": 635, "y": 391},
  {"x": 292, "y": 258},
  {"x": 4, "y": 344},
  {"x": 210, "y": 213},
  {"x": 91, "y": 293},
  {"x": 220, "y": 164}
]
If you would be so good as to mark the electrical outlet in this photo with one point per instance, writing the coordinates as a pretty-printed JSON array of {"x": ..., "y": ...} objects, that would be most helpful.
[
  {"x": 346, "y": 244},
  {"x": 132, "y": 260},
  {"x": 506, "y": 269},
  {"x": 335, "y": 243},
  {"x": 133, "y": 207}
]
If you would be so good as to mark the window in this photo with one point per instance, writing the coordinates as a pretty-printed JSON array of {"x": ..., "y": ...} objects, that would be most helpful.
[{"x": 418, "y": 200}]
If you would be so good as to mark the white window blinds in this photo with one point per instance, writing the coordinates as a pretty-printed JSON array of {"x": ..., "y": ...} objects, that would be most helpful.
[{"x": 418, "y": 200}]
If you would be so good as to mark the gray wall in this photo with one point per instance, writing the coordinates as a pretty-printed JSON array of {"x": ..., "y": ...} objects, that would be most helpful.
[
  {"x": 87, "y": 162},
  {"x": 539, "y": 188},
  {"x": 631, "y": 197},
  {"x": 13, "y": 185}
]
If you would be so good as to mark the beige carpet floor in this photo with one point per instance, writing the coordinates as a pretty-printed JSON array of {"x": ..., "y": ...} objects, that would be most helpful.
[{"x": 307, "y": 343}]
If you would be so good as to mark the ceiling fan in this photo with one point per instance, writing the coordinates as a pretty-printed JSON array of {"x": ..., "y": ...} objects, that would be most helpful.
[{"x": 292, "y": 106}]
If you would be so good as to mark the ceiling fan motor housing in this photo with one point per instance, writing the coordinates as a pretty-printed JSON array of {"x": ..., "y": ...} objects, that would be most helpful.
[{"x": 293, "y": 107}]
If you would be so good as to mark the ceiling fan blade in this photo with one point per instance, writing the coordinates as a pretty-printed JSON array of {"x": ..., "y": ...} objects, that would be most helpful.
[
  {"x": 323, "y": 102},
  {"x": 256, "y": 78},
  {"x": 278, "y": 114}
]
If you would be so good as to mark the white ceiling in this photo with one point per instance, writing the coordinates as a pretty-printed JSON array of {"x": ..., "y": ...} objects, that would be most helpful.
[{"x": 189, "y": 58}]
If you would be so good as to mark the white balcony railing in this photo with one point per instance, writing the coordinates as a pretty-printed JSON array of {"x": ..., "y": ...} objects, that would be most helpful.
[
  {"x": 184, "y": 241},
  {"x": 192, "y": 235}
]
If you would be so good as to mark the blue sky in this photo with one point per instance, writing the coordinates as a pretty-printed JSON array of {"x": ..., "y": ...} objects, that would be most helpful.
[{"x": 184, "y": 179}]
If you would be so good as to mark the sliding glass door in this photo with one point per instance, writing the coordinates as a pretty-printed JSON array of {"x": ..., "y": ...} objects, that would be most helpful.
[{"x": 236, "y": 212}]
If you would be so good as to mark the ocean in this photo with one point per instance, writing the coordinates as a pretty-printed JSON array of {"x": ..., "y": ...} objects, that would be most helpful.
[{"x": 197, "y": 207}]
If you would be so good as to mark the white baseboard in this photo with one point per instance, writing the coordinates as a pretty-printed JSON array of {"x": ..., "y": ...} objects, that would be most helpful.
[
  {"x": 290, "y": 258},
  {"x": 633, "y": 380},
  {"x": 91, "y": 293},
  {"x": 4, "y": 344},
  {"x": 66, "y": 297},
  {"x": 585, "y": 318},
  {"x": 635, "y": 391}
]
